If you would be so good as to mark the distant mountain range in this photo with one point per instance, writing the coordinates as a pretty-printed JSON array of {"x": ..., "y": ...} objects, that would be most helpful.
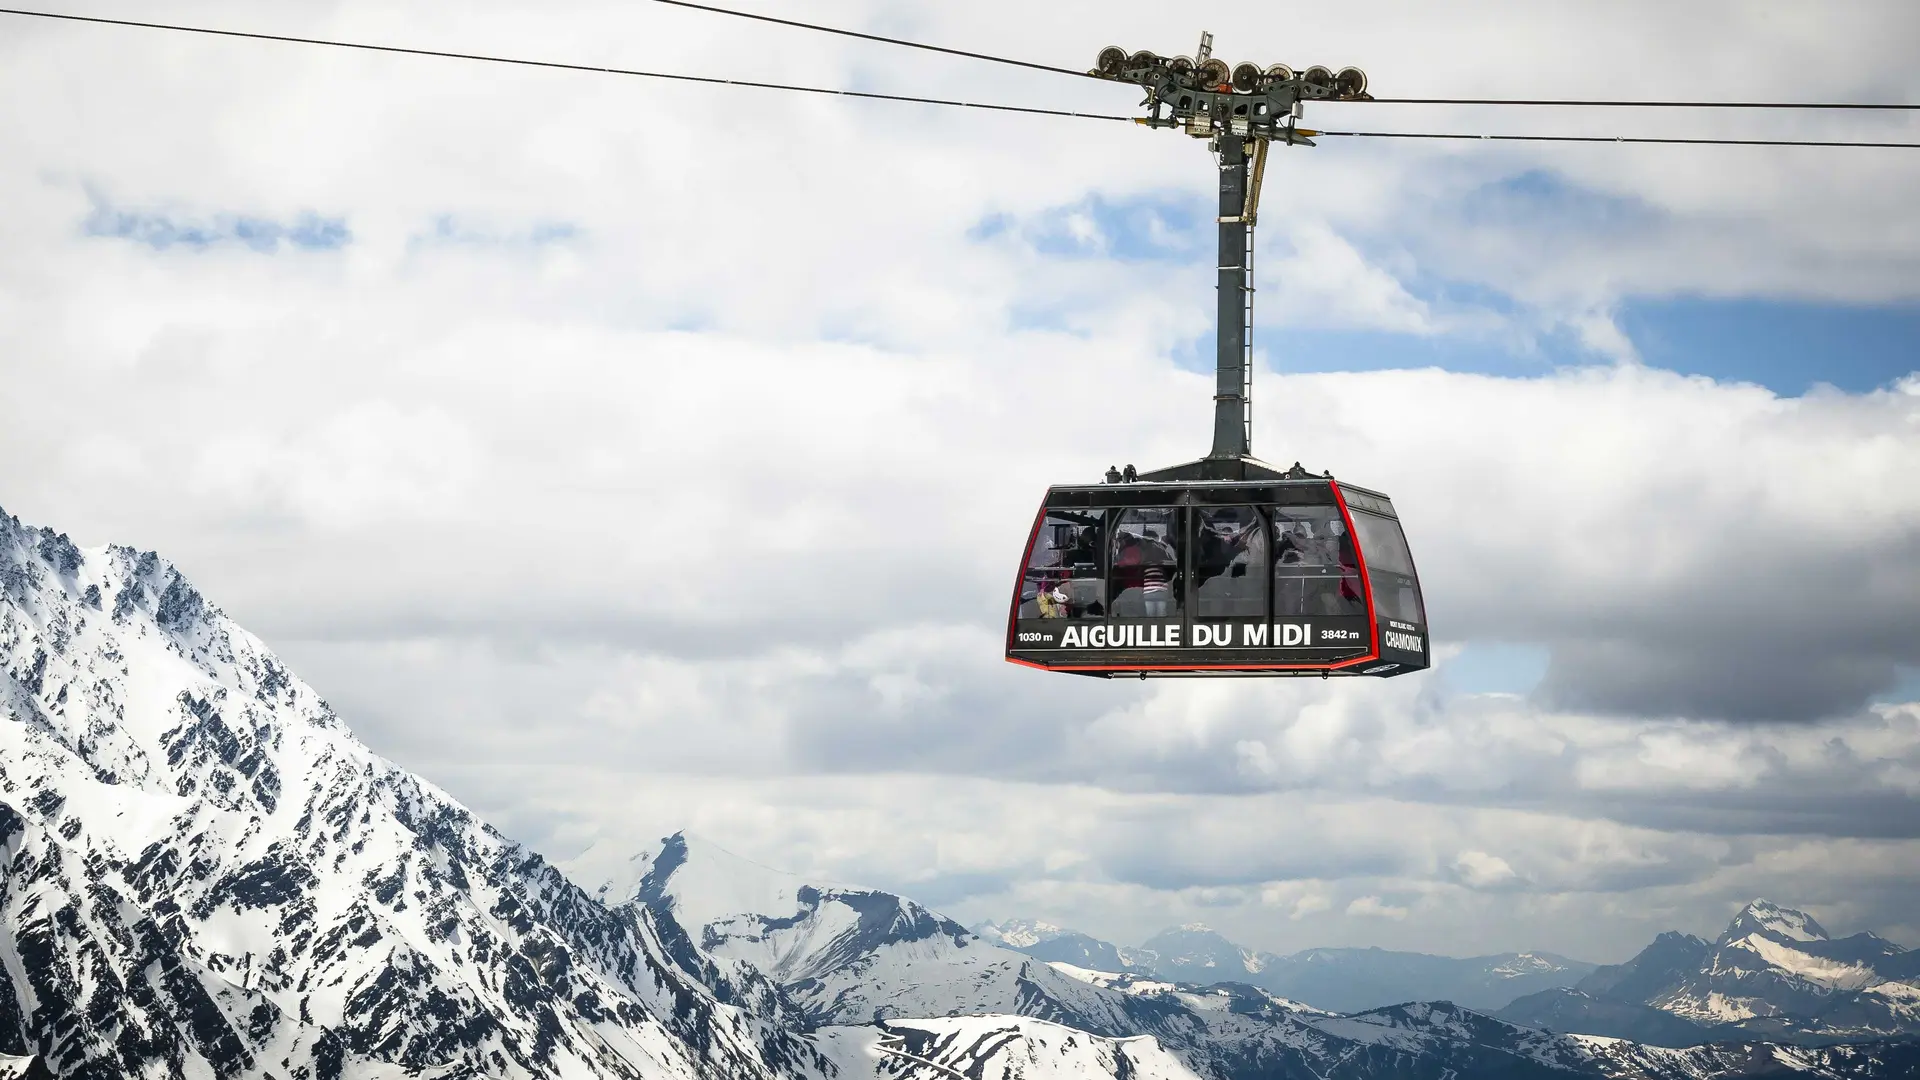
[
  {"x": 854, "y": 959},
  {"x": 204, "y": 874},
  {"x": 1341, "y": 980},
  {"x": 1774, "y": 973}
]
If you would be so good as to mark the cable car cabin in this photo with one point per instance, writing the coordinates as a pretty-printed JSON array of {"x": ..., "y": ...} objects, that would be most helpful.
[{"x": 1264, "y": 577}]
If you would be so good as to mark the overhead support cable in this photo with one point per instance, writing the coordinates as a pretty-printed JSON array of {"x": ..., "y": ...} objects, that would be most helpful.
[
  {"x": 1384, "y": 101},
  {"x": 876, "y": 37},
  {"x": 1894, "y": 107},
  {"x": 556, "y": 65},
  {"x": 915, "y": 99},
  {"x": 1608, "y": 139}
]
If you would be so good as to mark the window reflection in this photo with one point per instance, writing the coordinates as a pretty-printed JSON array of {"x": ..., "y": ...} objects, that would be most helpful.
[
  {"x": 1063, "y": 579},
  {"x": 1146, "y": 563},
  {"x": 1396, "y": 595},
  {"x": 1229, "y": 563},
  {"x": 1314, "y": 568}
]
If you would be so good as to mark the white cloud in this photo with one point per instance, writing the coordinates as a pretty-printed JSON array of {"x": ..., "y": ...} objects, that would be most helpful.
[
  {"x": 374, "y": 462},
  {"x": 1372, "y": 907},
  {"x": 1481, "y": 870}
]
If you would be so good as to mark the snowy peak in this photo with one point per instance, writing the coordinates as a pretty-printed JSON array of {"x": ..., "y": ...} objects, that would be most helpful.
[
  {"x": 1774, "y": 972},
  {"x": 842, "y": 954},
  {"x": 1022, "y": 934},
  {"x": 1198, "y": 953},
  {"x": 1517, "y": 965},
  {"x": 1054, "y": 944},
  {"x": 1773, "y": 921},
  {"x": 696, "y": 880},
  {"x": 708, "y": 888}
]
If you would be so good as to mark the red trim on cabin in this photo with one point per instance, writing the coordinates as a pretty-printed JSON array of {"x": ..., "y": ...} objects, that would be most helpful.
[{"x": 1366, "y": 579}]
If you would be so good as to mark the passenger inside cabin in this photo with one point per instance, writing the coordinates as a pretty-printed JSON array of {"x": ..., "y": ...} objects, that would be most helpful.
[{"x": 1315, "y": 569}]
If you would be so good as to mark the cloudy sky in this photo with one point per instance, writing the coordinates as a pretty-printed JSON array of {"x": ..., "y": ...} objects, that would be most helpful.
[{"x": 627, "y": 456}]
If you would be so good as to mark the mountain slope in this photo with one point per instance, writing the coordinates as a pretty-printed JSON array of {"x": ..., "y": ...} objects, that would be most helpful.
[
  {"x": 999, "y": 1048},
  {"x": 206, "y": 873},
  {"x": 1573, "y": 1011}
]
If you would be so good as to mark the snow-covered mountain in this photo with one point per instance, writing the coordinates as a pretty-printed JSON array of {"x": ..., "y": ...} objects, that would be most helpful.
[
  {"x": 203, "y": 874},
  {"x": 1045, "y": 941},
  {"x": 1343, "y": 980},
  {"x": 842, "y": 954},
  {"x": 1773, "y": 973},
  {"x": 1198, "y": 953},
  {"x": 206, "y": 874}
]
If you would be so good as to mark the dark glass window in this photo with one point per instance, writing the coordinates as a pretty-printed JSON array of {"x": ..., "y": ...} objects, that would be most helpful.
[
  {"x": 1145, "y": 555},
  {"x": 1229, "y": 563},
  {"x": 1064, "y": 578},
  {"x": 1314, "y": 568},
  {"x": 1396, "y": 595}
]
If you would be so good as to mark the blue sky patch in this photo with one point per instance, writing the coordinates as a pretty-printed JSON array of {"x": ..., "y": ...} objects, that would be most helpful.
[
  {"x": 1906, "y": 688},
  {"x": 163, "y": 231},
  {"x": 1542, "y": 203},
  {"x": 1157, "y": 228},
  {"x": 1497, "y": 668},
  {"x": 1299, "y": 350},
  {"x": 1784, "y": 345}
]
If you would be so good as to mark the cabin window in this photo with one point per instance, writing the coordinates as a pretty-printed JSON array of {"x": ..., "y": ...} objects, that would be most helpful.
[
  {"x": 1145, "y": 563},
  {"x": 1229, "y": 563},
  {"x": 1064, "y": 578},
  {"x": 1315, "y": 572},
  {"x": 1396, "y": 594}
]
